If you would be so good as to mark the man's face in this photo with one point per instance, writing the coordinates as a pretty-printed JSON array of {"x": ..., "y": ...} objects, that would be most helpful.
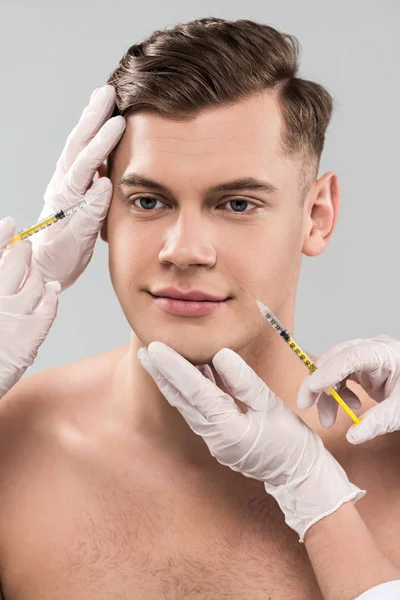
[{"x": 191, "y": 238}]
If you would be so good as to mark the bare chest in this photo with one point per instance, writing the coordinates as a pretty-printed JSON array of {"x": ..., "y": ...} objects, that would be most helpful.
[
  {"x": 92, "y": 524},
  {"x": 150, "y": 533}
]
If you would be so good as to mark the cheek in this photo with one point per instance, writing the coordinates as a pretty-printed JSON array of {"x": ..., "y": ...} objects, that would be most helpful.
[
  {"x": 129, "y": 253},
  {"x": 271, "y": 258}
]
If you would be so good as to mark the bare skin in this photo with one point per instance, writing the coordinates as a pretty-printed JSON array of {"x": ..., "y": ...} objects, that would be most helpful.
[
  {"x": 92, "y": 509},
  {"x": 105, "y": 490}
]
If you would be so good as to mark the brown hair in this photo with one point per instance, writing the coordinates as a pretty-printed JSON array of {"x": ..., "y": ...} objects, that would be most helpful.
[{"x": 207, "y": 62}]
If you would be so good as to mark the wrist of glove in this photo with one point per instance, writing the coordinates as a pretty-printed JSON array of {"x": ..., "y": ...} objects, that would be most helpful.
[
  {"x": 316, "y": 491},
  {"x": 269, "y": 442}
]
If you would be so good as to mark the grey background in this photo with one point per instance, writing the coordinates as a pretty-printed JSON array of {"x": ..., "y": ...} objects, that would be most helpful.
[{"x": 52, "y": 57}]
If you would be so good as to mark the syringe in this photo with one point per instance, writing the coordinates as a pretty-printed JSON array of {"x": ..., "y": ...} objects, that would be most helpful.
[
  {"x": 284, "y": 333},
  {"x": 61, "y": 214}
]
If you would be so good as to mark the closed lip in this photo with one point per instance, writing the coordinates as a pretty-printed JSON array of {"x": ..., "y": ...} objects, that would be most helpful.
[{"x": 192, "y": 295}]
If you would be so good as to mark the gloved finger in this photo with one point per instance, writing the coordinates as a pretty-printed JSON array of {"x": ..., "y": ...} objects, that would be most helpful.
[
  {"x": 7, "y": 230},
  {"x": 378, "y": 420},
  {"x": 79, "y": 177},
  {"x": 328, "y": 354},
  {"x": 44, "y": 315},
  {"x": 29, "y": 332},
  {"x": 188, "y": 411},
  {"x": 328, "y": 407},
  {"x": 26, "y": 300},
  {"x": 207, "y": 372},
  {"x": 189, "y": 385},
  {"x": 88, "y": 220},
  {"x": 100, "y": 108},
  {"x": 306, "y": 397},
  {"x": 382, "y": 337},
  {"x": 208, "y": 411},
  {"x": 240, "y": 379},
  {"x": 369, "y": 364},
  {"x": 14, "y": 265}
]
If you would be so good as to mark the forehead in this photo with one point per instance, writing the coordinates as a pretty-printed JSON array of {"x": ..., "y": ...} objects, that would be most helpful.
[{"x": 246, "y": 133}]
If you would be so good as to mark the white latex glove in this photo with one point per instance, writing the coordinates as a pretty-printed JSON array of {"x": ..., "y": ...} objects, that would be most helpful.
[
  {"x": 269, "y": 442},
  {"x": 27, "y": 312},
  {"x": 373, "y": 363},
  {"x": 64, "y": 249}
]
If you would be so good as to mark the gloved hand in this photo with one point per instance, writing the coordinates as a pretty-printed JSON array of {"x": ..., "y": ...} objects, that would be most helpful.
[
  {"x": 27, "y": 312},
  {"x": 269, "y": 442},
  {"x": 373, "y": 363},
  {"x": 64, "y": 250}
]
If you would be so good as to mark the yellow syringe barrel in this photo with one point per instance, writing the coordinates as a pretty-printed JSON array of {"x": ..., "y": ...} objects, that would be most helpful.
[
  {"x": 61, "y": 214},
  {"x": 22, "y": 235},
  {"x": 313, "y": 367}
]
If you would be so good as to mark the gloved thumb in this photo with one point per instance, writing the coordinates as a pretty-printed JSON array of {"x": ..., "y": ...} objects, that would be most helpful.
[
  {"x": 307, "y": 398},
  {"x": 7, "y": 229},
  {"x": 378, "y": 420}
]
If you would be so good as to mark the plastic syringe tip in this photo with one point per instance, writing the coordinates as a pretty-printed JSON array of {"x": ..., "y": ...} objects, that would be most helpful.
[{"x": 262, "y": 307}]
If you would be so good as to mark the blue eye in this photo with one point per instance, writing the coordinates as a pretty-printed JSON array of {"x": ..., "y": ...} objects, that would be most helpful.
[
  {"x": 240, "y": 201},
  {"x": 146, "y": 199},
  {"x": 147, "y": 208}
]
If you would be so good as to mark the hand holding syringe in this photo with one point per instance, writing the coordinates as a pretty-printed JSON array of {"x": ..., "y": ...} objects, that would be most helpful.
[
  {"x": 284, "y": 333},
  {"x": 32, "y": 274},
  {"x": 46, "y": 222},
  {"x": 64, "y": 249}
]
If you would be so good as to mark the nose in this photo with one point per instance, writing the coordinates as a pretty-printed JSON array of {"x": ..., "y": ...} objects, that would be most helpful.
[{"x": 188, "y": 243}]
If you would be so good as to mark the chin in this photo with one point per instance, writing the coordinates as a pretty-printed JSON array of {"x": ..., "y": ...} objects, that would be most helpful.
[
  {"x": 195, "y": 356},
  {"x": 196, "y": 351}
]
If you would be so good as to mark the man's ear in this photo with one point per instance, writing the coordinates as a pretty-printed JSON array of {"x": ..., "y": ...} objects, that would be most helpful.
[{"x": 323, "y": 211}]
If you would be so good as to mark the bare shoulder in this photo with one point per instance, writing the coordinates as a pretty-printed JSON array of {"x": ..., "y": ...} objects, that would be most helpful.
[
  {"x": 30, "y": 410},
  {"x": 78, "y": 373},
  {"x": 56, "y": 382},
  {"x": 47, "y": 389},
  {"x": 34, "y": 416}
]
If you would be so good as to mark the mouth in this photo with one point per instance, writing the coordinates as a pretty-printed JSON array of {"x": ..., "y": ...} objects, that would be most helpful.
[
  {"x": 196, "y": 295},
  {"x": 188, "y": 307}
]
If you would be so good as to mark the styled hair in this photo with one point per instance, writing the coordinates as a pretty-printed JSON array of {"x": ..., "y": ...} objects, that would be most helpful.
[{"x": 210, "y": 62}]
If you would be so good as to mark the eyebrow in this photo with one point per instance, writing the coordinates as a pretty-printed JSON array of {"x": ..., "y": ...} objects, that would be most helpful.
[{"x": 243, "y": 183}]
